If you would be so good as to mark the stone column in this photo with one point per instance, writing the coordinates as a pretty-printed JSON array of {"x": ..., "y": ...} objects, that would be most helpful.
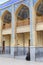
[
  {"x": 13, "y": 23},
  {"x": 0, "y": 34},
  {"x": 32, "y": 31}
]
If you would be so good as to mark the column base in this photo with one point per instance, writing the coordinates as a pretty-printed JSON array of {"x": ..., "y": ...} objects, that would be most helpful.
[
  {"x": 12, "y": 51},
  {"x": 32, "y": 53}
]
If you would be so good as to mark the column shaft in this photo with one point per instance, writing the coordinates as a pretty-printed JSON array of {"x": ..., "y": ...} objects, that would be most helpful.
[
  {"x": 0, "y": 34},
  {"x": 13, "y": 32},
  {"x": 32, "y": 31}
]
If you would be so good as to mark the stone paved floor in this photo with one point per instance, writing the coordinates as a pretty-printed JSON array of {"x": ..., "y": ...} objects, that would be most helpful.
[{"x": 12, "y": 61}]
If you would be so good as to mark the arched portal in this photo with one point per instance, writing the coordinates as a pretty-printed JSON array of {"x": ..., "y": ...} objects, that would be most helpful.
[
  {"x": 23, "y": 38},
  {"x": 6, "y": 20},
  {"x": 6, "y": 25},
  {"x": 22, "y": 15},
  {"x": 39, "y": 26}
]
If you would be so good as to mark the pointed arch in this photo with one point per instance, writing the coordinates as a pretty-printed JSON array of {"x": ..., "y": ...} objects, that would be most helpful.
[
  {"x": 6, "y": 16},
  {"x": 19, "y": 8},
  {"x": 37, "y": 4}
]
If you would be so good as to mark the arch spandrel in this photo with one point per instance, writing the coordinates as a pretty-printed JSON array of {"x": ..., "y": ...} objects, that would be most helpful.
[
  {"x": 26, "y": 2},
  {"x": 8, "y": 8}
]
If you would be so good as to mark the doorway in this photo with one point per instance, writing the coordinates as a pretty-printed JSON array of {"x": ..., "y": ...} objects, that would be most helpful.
[
  {"x": 23, "y": 44},
  {"x": 3, "y": 47}
]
